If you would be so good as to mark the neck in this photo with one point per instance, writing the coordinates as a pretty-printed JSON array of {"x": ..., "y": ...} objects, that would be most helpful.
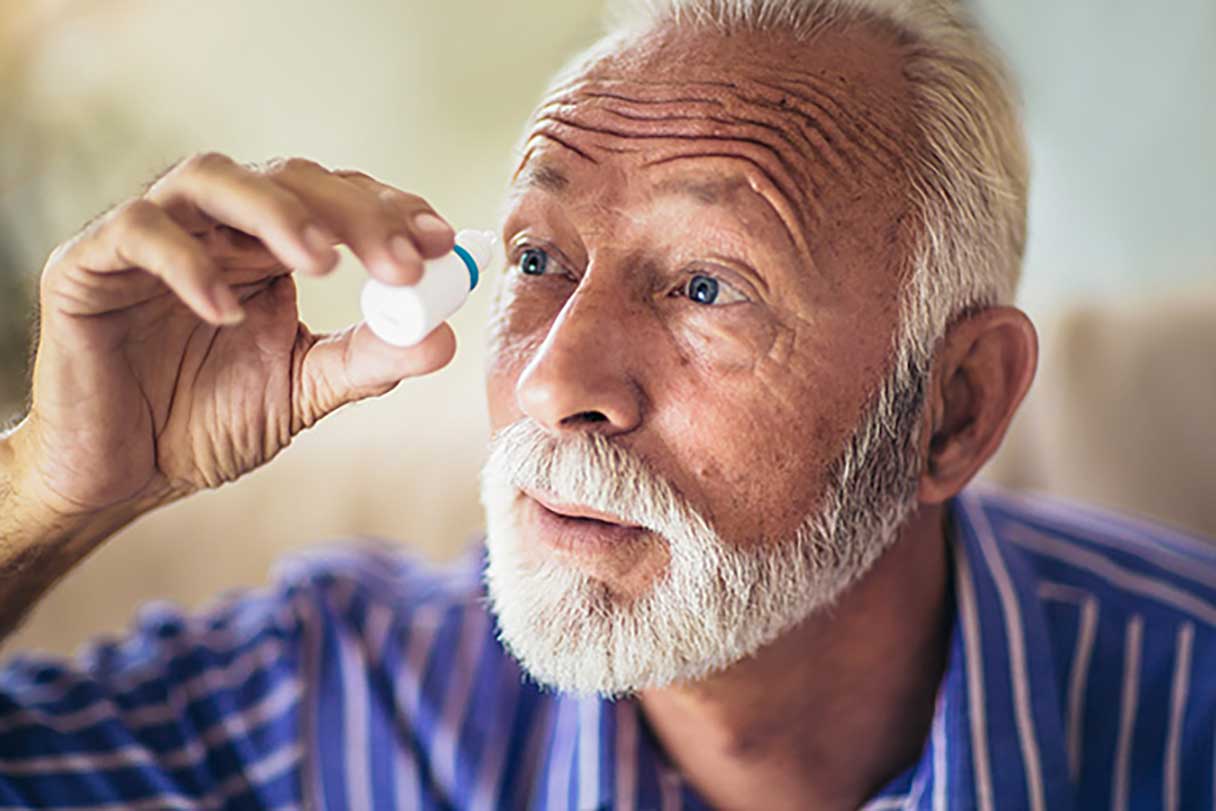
[{"x": 825, "y": 715}]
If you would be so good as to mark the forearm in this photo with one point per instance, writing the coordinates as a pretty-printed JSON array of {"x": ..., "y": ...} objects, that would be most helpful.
[{"x": 39, "y": 545}]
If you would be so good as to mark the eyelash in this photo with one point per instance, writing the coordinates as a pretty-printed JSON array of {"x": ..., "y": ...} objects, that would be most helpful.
[{"x": 719, "y": 284}]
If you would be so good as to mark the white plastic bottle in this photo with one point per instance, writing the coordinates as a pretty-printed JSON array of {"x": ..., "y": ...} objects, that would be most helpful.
[{"x": 403, "y": 315}]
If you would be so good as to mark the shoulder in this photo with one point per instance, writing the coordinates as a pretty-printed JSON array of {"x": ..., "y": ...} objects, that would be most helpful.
[
  {"x": 1130, "y": 611},
  {"x": 1131, "y": 566},
  {"x": 1134, "y": 586}
]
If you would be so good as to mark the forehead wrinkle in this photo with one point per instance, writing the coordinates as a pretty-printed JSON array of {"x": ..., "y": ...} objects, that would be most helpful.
[
  {"x": 584, "y": 106},
  {"x": 814, "y": 143},
  {"x": 816, "y": 130},
  {"x": 830, "y": 129},
  {"x": 763, "y": 155},
  {"x": 868, "y": 133},
  {"x": 775, "y": 160},
  {"x": 589, "y": 115},
  {"x": 821, "y": 142},
  {"x": 530, "y": 147}
]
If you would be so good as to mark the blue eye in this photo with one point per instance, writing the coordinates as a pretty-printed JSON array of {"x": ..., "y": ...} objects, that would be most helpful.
[
  {"x": 533, "y": 261},
  {"x": 702, "y": 289}
]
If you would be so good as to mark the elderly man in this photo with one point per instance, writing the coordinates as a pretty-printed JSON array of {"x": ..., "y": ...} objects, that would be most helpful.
[{"x": 753, "y": 340}]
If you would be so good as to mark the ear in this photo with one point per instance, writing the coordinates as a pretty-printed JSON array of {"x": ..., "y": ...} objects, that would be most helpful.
[{"x": 982, "y": 372}]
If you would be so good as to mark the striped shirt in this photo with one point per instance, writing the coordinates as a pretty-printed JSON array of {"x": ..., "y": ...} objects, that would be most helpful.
[{"x": 1081, "y": 674}]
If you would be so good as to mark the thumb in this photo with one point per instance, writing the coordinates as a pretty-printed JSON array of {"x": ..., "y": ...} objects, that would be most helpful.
[{"x": 354, "y": 364}]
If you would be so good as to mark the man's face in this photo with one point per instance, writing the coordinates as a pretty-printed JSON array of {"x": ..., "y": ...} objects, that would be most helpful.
[{"x": 703, "y": 242}]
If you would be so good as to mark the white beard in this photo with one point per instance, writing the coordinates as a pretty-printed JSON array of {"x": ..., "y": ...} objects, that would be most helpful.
[{"x": 714, "y": 604}]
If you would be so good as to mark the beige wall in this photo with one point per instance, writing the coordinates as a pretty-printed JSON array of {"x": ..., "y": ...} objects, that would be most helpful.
[{"x": 430, "y": 96}]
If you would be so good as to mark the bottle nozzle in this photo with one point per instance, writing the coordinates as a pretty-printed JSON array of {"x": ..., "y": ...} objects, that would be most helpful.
[{"x": 477, "y": 247}]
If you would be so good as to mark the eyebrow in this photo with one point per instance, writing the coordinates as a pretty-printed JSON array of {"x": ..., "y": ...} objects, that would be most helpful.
[
  {"x": 545, "y": 177},
  {"x": 711, "y": 191}
]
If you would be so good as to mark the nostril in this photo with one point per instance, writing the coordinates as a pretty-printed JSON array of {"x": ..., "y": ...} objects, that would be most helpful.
[{"x": 584, "y": 417}]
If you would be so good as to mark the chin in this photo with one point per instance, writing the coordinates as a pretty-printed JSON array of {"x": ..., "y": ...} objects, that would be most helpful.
[
  {"x": 589, "y": 604},
  {"x": 613, "y": 619}
]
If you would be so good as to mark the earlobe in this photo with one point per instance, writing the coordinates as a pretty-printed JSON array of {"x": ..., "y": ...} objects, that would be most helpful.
[{"x": 981, "y": 374}]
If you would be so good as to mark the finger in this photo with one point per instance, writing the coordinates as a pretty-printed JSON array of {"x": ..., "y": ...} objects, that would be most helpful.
[
  {"x": 354, "y": 364},
  {"x": 250, "y": 202},
  {"x": 140, "y": 234},
  {"x": 432, "y": 234},
  {"x": 378, "y": 231}
]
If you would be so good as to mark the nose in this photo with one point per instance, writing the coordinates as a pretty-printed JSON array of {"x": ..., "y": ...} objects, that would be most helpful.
[{"x": 579, "y": 378}]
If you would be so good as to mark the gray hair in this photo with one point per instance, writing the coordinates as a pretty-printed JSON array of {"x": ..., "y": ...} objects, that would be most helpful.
[{"x": 969, "y": 167}]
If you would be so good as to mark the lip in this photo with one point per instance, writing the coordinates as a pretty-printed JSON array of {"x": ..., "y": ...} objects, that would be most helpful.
[
  {"x": 578, "y": 533},
  {"x": 577, "y": 511}
]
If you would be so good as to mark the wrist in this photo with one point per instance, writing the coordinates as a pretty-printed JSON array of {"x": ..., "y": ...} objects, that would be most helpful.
[
  {"x": 10, "y": 472},
  {"x": 20, "y": 501},
  {"x": 30, "y": 512}
]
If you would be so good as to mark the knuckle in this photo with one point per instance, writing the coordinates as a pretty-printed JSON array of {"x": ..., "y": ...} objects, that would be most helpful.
[
  {"x": 412, "y": 201},
  {"x": 63, "y": 252},
  {"x": 292, "y": 166},
  {"x": 205, "y": 163},
  {"x": 394, "y": 205},
  {"x": 389, "y": 201},
  {"x": 134, "y": 216},
  {"x": 287, "y": 209},
  {"x": 396, "y": 201},
  {"x": 356, "y": 176}
]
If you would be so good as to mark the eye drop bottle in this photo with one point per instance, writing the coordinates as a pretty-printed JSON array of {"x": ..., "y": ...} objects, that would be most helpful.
[{"x": 403, "y": 315}]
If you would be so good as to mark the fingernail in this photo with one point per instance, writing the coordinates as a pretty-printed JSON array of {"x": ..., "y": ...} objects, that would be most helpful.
[
  {"x": 404, "y": 252},
  {"x": 318, "y": 241},
  {"x": 433, "y": 226}
]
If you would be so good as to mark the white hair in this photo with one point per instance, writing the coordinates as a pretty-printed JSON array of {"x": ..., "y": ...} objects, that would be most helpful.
[
  {"x": 968, "y": 165},
  {"x": 967, "y": 168},
  {"x": 716, "y": 603}
]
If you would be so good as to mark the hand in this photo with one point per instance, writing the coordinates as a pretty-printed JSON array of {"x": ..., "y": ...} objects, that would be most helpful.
[{"x": 171, "y": 356}]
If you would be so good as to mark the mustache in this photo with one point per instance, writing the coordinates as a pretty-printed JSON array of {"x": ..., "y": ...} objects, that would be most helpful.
[{"x": 590, "y": 470}]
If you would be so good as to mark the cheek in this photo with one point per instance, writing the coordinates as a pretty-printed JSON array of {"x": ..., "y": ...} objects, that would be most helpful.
[
  {"x": 721, "y": 342},
  {"x": 774, "y": 433},
  {"x": 752, "y": 471},
  {"x": 754, "y": 442}
]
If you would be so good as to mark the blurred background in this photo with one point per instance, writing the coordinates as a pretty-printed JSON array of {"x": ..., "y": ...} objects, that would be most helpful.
[{"x": 98, "y": 96}]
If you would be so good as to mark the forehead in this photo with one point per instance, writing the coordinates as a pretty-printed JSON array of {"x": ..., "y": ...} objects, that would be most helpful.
[{"x": 812, "y": 126}]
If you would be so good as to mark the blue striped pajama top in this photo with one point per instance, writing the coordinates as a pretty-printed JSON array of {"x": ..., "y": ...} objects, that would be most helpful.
[{"x": 1081, "y": 674}]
